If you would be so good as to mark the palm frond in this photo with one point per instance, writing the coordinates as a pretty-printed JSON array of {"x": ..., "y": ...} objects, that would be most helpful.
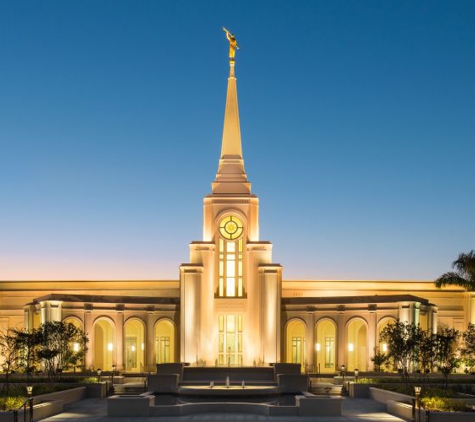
[
  {"x": 454, "y": 279},
  {"x": 465, "y": 264}
]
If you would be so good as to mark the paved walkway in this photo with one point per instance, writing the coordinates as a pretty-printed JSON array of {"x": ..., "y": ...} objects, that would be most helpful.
[{"x": 353, "y": 410}]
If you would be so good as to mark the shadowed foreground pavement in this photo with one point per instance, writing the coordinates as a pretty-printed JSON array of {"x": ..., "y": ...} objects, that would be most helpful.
[{"x": 353, "y": 410}]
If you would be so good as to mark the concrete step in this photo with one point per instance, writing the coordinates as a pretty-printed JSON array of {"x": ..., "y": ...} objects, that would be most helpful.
[
  {"x": 129, "y": 388},
  {"x": 327, "y": 390}
]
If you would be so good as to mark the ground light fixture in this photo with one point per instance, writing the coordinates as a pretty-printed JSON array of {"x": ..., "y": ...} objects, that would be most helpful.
[
  {"x": 417, "y": 390},
  {"x": 29, "y": 392},
  {"x": 343, "y": 369}
]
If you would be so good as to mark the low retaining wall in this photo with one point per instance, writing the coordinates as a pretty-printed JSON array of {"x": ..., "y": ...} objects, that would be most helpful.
[
  {"x": 143, "y": 405},
  {"x": 40, "y": 411},
  {"x": 404, "y": 411},
  {"x": 401, "y": 410},
  {"x": 382, "y": 396},
  {"x": 67, "y": 396}
]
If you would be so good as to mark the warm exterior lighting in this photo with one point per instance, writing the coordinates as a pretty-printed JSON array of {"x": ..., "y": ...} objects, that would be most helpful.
[
  {"x": 142, "y": 346},
  {"x": 356, "y": 374},
  {"x": 29, "y": 390},
  {"x": 417, "y": 390},
  {"x": 99, "y": 371},
  {"x": 318, "y": 347},
  {"x": 351, "y": 347},
  {"x": 110, "y": 347},
  {"x": 76, "y": 347},
  {"x": 133, "y": 348},
  {"x": 384, "y": 347}
]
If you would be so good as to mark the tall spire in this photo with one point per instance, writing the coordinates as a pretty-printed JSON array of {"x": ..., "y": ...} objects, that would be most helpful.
[{"x": 231, "y": 177}]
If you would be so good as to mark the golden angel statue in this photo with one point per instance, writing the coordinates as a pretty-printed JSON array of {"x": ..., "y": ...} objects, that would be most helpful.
[{"x": 232, "y": 44}]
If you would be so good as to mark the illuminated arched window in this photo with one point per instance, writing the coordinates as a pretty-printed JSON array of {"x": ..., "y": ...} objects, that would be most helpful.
[{"x": 230, "y": 259}]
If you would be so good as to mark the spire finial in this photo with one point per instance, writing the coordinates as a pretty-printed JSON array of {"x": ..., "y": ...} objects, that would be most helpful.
[
  {"x": 231, "y": 176},
  {"x": 233, "y": 46}
]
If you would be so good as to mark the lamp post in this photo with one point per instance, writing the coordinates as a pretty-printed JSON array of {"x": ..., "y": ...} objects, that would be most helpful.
[
  {"x": 29, "y": 393},
  {"x": 417, "y": 390},
  {"x": 343, "y": 369},
  {"x": 99, "y": 371},
  {"x": 356, "y": 374},
  {"x": 112, "y": 377}
]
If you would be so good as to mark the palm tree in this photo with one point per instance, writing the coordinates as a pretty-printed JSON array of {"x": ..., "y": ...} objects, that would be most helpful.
[{"x": 464, "y": 274}]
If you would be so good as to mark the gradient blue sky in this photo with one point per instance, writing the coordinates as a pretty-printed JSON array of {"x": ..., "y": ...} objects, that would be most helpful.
[{"x": 357, "y": 120}]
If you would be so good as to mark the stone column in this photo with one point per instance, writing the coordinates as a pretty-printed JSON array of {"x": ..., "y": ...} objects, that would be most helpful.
[
  {"x": 472, "y": 308},
  {"x": 372, "y": 334},
  {"x": 190, "y": 287},
  {"x": 340, "y": 321},
  {"x": 50, "y": 310},
  {"x": 118, "y": 354},
  {"x": 433, "y": 319},
  {"x": 271, "y": 277},
  {"x": 29, "y": 314},
  {"x": 310, "y": 341},
  {"x": 89, "y": 330},
  {"x": 150, "y": 343}
]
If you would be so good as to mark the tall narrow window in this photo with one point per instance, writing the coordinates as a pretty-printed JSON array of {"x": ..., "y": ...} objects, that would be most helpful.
[
  {"x": 329, "y": 352},
  {"x": 230, "y": 258},
  {"x": 230, "y": 340},
  {"x": 298, "y": 350}
]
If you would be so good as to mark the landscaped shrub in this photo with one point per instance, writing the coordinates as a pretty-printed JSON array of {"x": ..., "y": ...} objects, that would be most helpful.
[
  {"x": 442, "y": 404},
  {"x": 90, "y": 380},
  {"x": 11, "y": 403}
]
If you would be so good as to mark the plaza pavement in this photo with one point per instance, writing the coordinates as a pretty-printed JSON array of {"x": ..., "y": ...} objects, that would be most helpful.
[{"x": 353, "y": 410}]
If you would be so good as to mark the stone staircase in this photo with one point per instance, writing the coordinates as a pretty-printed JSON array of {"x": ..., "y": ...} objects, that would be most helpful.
[
  {"x": 327, "y": 389},
  {"x": 131, "y": 388}
]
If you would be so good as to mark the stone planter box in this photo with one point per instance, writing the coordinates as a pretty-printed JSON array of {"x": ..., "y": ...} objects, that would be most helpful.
[
  {"x": 96, "y": 390},
  {"x": 383, "y": 396},
  {"x": 404, "y": 411},
  {"x": 359, "y": 390},
  {"x": 67, "y": 396}
]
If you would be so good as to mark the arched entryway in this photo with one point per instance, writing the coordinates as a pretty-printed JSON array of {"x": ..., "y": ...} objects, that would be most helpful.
[
  {"x": 325, "y": 346},
  {"x": 134, "y": 344},
  {"x": 104, "y": 344},
  {"x": 382, "y": 324},
  {"x": 357, "y": 346},
  {"x": 164, "y": 341},
  {"x": 75, "y": 321},
  {"x": 381, "y": 351},
  {"x": 295, "y": 350}
]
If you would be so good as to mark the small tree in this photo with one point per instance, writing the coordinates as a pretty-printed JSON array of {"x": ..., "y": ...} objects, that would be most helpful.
[
  {"x": 56, "y": 349},
  {"x": 468, "y": 347},
  {"x": 27, "y": 344},
  {"x": 379, "y": 359},
  {"x": 9, "y": 351},
  {"x": 426, "y": 352},
  {"x": 446, "y": 353},
  {"x": 403, "y": 341}
]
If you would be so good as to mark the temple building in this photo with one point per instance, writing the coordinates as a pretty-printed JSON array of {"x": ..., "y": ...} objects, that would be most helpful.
[{"x": 230, "y": 305}]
